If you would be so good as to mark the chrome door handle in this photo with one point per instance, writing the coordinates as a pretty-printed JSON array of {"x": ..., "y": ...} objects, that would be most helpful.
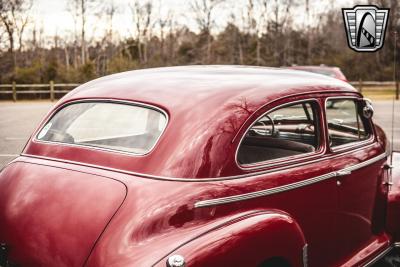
[{"x": 342, "y": 173}]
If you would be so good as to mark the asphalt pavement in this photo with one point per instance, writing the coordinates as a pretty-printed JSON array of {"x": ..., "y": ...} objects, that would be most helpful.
[{"x": 18, "y": 120}]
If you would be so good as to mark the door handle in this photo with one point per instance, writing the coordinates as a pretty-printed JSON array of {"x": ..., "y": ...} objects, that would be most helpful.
[
  {"x": 342, "y": 173},
  {"x": 388, "y": 166}
]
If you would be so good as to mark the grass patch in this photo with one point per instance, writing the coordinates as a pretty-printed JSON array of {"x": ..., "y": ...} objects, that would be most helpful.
[{"x": 379, "y": 93}]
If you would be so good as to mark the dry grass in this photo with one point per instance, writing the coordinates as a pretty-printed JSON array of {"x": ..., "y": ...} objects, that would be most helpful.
[{"x": 379, "y": 93}]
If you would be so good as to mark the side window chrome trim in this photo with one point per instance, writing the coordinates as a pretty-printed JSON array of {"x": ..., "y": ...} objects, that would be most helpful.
[
  {"x": 351, "y": 145},
  {"x": 101, "y": 100},
  {"x": 285, "y": 160},
  {"x": 288, "y": 187}
]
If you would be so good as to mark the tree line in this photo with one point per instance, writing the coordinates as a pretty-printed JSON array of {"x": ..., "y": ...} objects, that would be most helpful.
[{"x": 261, "y": 32}]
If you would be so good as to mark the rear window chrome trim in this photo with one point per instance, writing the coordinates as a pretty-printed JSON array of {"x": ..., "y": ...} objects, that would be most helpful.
[
  {"x": 97, "y": 148},
  {"x": 283, "y": 188},
  {"x": 284, "y": 160},
  {"x": 351, "y": 145}
]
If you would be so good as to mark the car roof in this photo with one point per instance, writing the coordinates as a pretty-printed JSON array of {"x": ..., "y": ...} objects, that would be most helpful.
[
  {"x": 191, "y": 85},
  {"x": 207, "y": 107}
]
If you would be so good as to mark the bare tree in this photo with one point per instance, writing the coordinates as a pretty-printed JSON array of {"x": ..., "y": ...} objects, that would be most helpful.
[
  {"x": 110, "y": 11},
  {"x": 80, "y": 10},
  {"x": 204, "y": 16},
  {"x": 14, "y": 19},
  {"x": 21, "y": 21},
  {"x": 164, "y": 20},
  {"x": 142, "y": 16},
  {"x": 256, "y": 23},
  {"x": 262, "y": 24},
  {"x": 281, "y": 15}
]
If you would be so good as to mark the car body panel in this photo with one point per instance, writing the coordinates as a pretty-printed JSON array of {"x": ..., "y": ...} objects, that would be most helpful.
[
  {"x": 234, "y": 244},
  {"x": 52, "y": 216},
  {"x": 361, "y": 196},
  {"x": 180, "y": 220},
  {"x": 393, "y": 205}
]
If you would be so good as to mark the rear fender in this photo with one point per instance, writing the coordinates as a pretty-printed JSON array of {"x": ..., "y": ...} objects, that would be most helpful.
[
  {"x": 393, "y": 209},
  {"x": 246, "y": 241}
]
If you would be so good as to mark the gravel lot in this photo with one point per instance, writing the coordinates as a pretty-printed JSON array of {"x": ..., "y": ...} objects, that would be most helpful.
[{"x": 18, "y": 120}]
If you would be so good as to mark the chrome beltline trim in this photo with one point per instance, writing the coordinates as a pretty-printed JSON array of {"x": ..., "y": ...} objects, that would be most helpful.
[
  {"x": 209, "y": 179},
  {"x": 283, "y": 188},
  {"x": 365, "y": 163}
]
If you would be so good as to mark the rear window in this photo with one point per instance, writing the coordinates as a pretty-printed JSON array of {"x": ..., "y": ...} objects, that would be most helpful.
[{"x": 115, "y": 126}]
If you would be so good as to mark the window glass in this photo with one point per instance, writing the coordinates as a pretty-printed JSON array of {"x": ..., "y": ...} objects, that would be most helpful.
[
  {"x": 108, "y": 125},
  {"x": 345, "y": 125},
  {"x": 284, "y": 132}
]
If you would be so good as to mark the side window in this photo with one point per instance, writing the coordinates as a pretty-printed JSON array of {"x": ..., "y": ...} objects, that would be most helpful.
[
  {"x": 287, "y": 131},
  {"x": 345, "y": 125}
]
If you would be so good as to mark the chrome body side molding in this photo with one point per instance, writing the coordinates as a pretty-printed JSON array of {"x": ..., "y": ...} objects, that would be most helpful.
[{"x": 283, "y": 188}]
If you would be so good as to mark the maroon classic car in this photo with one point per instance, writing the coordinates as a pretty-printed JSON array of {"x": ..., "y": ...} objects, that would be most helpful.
[{"x": 203, "y": 166}]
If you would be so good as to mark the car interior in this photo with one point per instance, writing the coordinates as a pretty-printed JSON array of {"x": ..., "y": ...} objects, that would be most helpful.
[
  {"x": 287, "y": 131},
  {"x": 292, "y": 130}
]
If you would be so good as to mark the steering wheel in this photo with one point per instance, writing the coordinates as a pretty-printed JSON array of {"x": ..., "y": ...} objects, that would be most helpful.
[
  {"x": 302, "y": 128},
  {"x": 59, "y": 136},
  {"x": 266, "y": 131}
]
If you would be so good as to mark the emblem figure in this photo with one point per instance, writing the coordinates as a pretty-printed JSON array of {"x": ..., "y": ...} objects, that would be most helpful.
[{"x": 365, "y": 27}]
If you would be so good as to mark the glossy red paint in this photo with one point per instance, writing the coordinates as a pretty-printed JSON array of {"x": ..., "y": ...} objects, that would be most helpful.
[
  {"x": 97, "y": 222},
  {"x": 393, "y": 213},
  {"x": 52, "y": 216}
]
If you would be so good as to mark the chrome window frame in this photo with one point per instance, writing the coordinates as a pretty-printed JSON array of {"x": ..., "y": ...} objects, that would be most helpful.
[
  {"x": 291, "y": 159},
  {"x": 351, "y": 145},
  {"x": 97, "y": 148}
]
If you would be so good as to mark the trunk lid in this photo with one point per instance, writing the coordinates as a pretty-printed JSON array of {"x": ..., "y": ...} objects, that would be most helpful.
[{"x": 51, "y": 216}]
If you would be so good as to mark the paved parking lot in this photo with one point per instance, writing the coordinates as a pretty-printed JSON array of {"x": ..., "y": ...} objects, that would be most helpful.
[{"x": 18, "y": 120}]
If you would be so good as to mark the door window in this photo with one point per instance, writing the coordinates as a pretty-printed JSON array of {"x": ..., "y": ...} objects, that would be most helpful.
[
  {"x": 284, "y": 132},
  {"x": 345, "y": 125}
]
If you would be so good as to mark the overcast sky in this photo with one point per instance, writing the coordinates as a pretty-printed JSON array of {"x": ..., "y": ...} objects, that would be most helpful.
[{"x": 53, "y": 15}]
